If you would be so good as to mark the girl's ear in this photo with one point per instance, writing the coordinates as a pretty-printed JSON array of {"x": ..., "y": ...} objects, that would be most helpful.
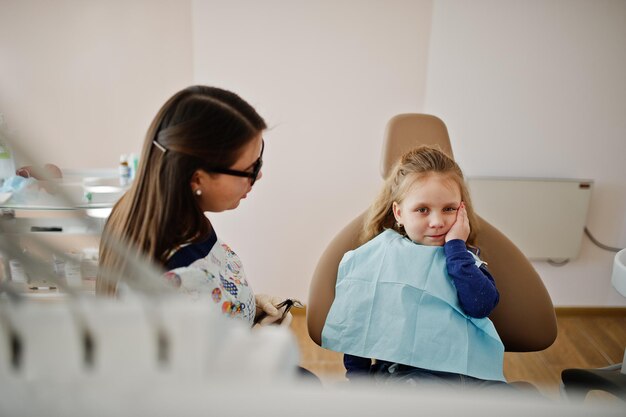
[{"x": 396, "y": 211}]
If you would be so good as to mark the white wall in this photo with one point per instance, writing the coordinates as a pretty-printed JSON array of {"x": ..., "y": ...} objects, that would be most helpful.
[
  {"x": 537, "y": 89},
  {"x": 81, "y": 79},
  {"x": 327, "y": 75}
]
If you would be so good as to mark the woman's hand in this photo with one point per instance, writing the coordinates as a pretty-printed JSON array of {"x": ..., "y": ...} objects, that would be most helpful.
[
  {"x": 267, "y": 313},
  {"x": 461, "y": 228}
]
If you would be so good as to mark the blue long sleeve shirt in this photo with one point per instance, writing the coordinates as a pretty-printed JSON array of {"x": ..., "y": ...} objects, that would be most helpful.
[{"x": 475, "y": 287}]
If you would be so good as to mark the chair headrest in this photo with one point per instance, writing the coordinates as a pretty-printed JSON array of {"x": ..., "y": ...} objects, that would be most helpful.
[{"x": 407, "y": 131}]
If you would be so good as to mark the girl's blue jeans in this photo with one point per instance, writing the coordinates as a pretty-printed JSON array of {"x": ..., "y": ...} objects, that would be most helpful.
[{"x": 388, "y": 372}]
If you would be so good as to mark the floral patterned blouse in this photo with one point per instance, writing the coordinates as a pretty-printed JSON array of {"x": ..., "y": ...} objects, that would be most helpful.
[{"x": 211, "y": 270}]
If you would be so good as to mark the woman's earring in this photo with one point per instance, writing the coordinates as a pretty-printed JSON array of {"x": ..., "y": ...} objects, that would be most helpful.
[
  {"x": 198, "y": 192},
  {"x": 398, "y": 225}
]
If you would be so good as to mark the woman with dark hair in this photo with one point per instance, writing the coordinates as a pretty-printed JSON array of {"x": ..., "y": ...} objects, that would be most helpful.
[{"x": 202, "y": 153}]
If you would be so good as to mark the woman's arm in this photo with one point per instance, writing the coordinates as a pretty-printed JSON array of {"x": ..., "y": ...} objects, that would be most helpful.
[{"x": 475, "y": 286}]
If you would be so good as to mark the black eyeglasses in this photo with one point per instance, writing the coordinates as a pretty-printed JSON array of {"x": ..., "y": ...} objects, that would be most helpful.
[{"x": 256, "y": 168}]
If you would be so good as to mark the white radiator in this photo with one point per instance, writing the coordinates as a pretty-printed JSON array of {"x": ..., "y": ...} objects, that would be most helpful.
[{"x": 545, "y": 218}]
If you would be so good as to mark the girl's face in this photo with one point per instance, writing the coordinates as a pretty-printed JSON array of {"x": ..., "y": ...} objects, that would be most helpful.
[
  {"x": 222, "y": 192},
  {"x": 429, "y": 209}
]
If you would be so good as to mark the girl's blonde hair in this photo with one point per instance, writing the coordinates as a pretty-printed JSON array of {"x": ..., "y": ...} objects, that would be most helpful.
[{"x": 413, "y": 166}]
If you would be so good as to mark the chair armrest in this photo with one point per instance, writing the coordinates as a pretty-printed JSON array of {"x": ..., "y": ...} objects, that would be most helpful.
[
  {"x": 524, "y": 317},
  {"x": 322, "y": 288}
]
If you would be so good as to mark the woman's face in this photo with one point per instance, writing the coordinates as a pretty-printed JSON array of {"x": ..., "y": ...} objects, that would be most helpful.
[{"x": 220, "y": 192}]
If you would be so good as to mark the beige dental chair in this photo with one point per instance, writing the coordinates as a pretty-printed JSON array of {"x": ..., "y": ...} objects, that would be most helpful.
[{"x": 524, "y": 318}]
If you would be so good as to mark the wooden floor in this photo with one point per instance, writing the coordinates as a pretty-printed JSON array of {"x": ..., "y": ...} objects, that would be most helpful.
[{"x": 586, "y": 339}]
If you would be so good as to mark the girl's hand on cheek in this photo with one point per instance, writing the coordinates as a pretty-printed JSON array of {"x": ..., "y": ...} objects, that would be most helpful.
[{"x": 461, "y": 228}]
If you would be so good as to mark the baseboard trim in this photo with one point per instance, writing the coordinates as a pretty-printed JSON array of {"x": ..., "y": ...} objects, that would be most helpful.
[{"x": 591, "y": 311}]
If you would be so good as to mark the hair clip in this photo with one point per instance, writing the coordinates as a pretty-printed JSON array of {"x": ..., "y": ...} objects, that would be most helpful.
[{"x": 161, "y": 147}]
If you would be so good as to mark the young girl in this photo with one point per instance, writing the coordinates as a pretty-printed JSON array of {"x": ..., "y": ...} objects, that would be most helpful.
[{"x": 413, "y": 296}]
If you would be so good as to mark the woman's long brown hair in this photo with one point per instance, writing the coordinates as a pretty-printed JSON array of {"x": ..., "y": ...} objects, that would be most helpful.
[{"x": 197, "y": 127}]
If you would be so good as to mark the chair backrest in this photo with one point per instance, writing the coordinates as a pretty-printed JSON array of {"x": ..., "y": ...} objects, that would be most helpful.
[{"x": 524, "y": 317}]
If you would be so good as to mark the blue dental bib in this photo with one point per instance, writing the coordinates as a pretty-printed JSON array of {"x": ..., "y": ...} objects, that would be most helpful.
[{"x": 395, "y": 301}]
